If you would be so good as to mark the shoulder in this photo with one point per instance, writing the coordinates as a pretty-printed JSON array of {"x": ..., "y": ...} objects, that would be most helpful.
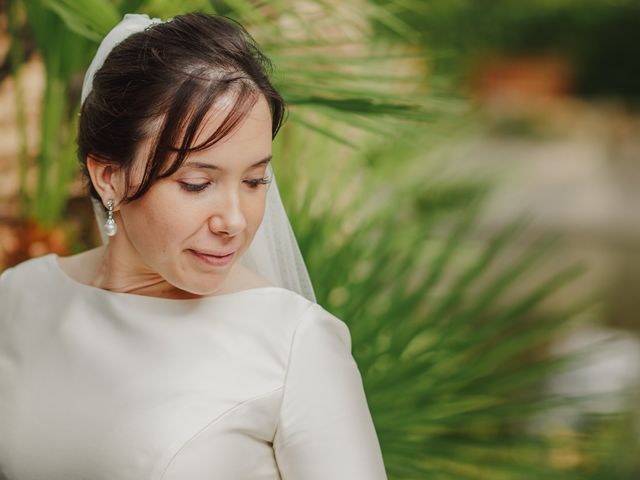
[
  {"x": 291, "y": 318},
  {"x": 28, "y": 276},
  {"x": 320, "y": 327},
  {"x": 26, "y": 272},
  {"x": 25, "y": 283}
]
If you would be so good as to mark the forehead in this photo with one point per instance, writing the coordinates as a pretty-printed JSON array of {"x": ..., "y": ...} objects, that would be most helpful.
[
  {"x": 253, "y": 125},
  {"x": 249, "y": 140}
]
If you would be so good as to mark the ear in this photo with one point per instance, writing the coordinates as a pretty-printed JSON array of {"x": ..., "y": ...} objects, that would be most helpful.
[{"x": 107, "y": 179}]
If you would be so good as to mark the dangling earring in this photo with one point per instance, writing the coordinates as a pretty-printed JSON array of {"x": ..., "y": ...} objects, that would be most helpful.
[{"x": 110, "y": 227}]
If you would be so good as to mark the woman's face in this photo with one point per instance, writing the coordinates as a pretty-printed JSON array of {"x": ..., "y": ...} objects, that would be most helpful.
[{"x": 212, "y": 206}]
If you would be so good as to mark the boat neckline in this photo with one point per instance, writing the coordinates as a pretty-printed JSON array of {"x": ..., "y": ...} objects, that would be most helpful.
[{"x": 53, "y": 261}]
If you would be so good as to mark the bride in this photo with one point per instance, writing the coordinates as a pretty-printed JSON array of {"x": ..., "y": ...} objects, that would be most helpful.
[{"x": 190, "y": 345}]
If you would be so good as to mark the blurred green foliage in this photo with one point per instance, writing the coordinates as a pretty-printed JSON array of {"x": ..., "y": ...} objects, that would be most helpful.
[
  {"x": 450, "y": 333},
  {"x": 599, "y": 38},
  {"x": 63, "y": 57}
]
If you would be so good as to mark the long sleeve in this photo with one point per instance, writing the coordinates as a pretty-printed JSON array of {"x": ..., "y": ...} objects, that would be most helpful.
[{"x": 325, "y": 428}]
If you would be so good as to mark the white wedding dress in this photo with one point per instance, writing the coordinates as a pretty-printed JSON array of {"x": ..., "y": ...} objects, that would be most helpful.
[{"x": 97, "y": 385}]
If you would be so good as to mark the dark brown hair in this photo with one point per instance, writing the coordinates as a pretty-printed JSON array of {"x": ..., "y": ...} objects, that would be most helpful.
[{"x": 162, "y": 82}]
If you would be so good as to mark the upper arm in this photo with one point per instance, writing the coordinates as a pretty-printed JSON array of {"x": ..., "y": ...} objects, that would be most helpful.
[{"x": 325, "y": 428}]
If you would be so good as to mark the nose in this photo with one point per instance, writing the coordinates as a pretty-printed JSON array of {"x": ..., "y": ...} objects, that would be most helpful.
[{"x": 227, "y": 218}]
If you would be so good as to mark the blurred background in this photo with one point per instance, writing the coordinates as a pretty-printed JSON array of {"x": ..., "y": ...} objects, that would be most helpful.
[{"x": 463, "y": 177}]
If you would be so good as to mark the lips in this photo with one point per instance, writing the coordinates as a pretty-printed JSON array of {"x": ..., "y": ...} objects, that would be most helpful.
[
  {"x": 211, "y": 258},
  {"x": 213, "y": 254}
]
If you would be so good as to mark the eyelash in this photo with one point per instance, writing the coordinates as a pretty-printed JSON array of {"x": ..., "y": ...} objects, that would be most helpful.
[{"x": 199, "y": 187}]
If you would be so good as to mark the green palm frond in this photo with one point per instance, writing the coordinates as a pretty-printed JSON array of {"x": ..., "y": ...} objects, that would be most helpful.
[
  {"x": 64, "y": 53},
  {"x": 91, "y": 19}
]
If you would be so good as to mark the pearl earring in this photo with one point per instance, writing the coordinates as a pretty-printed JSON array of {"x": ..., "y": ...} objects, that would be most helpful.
[{"x": 110, "y": 227}]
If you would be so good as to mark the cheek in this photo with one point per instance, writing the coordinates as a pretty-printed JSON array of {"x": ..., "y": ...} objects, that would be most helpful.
[
  {"x": 254, "y": 213},
  {"x": 162, "y": 220},
  {"x": 156, "y": 224}
]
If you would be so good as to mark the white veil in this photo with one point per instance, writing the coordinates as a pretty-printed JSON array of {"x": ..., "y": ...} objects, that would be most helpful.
[{"x": 274, "y": 252}]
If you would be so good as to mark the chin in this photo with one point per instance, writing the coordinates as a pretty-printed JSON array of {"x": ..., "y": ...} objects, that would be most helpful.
[{"x": 190, "y": 278}]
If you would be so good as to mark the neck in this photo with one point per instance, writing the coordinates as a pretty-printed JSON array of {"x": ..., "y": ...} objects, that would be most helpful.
[{"x": 120, "y": 269}]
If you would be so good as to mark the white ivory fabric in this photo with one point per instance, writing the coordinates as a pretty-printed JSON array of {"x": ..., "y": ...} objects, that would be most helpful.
[{"x": 99, "y": 385}]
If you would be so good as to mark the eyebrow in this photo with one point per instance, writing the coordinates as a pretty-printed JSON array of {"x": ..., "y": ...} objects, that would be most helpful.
[{"x": 210, "y": 166}]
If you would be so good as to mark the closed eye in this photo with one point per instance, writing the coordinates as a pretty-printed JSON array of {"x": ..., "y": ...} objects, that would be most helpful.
[
  {"x": 255, "y": 183},
  {"x": 194, "y": 187},
  {"x": 198, "y": 187}
]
